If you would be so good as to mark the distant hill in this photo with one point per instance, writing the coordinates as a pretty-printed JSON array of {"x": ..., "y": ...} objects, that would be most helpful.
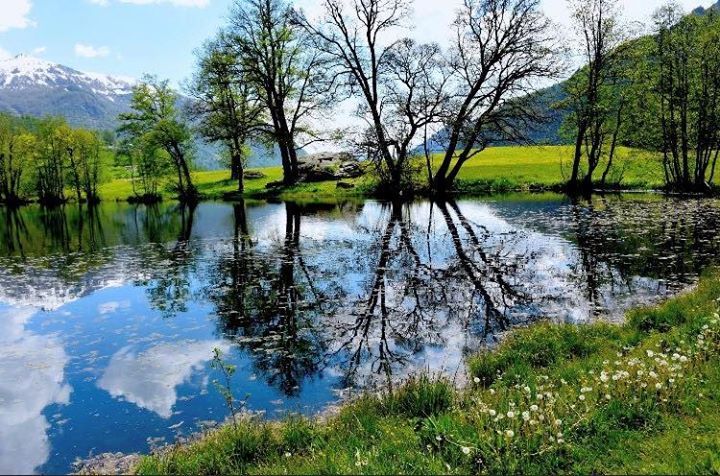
[{"x": 703, "y": 11}]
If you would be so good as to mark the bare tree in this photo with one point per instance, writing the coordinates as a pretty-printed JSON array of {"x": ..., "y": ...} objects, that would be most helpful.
[
  {"x": 400, "y": 84},
  {"x": 502, "y": 52},
  {"x": 274, "y": 55},
  {"x": 597, "y": 111}
]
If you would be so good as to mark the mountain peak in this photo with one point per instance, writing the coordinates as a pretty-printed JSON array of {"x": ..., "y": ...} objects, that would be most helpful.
[
  {"x": 31, "y": 86},
  {"x": 28, "y": 72}
]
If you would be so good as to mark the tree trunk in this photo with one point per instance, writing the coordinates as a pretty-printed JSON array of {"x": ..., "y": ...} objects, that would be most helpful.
[{"x": 574, "y": 182}]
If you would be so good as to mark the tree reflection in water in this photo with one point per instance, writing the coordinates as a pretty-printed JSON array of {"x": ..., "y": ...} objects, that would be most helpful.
[
  {"x": 268, "y": 302},
  {"x": 299, "y": 320},
  {"x": 168, "y": 289},
  {"x": 419, "y": 301},
  {"x": 363, "y": 293}
]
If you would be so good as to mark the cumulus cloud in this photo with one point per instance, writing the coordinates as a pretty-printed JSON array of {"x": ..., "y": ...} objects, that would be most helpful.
[
  {"x": 149, "y": 379},
  {"x": 15, "y": 14},
  {"x": 88, "y": 51},
  {"x": 32, "y": 377}
]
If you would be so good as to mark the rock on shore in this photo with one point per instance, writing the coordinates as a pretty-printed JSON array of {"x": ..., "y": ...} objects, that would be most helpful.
[{"x": 329, "y": 166}]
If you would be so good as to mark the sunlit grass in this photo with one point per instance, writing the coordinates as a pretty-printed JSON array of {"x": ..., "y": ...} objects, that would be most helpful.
[
  {"x": 512, "y": 168},
  {"x": 637, "y": 398},
  {"x": 495, "y": 169}
]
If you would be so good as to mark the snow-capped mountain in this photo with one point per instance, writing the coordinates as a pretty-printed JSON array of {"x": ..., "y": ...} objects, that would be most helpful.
[{"x": 35, "y": 87}]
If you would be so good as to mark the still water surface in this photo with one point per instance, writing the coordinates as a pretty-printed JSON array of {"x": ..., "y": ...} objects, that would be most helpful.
[{"x": 109, "y": 316}]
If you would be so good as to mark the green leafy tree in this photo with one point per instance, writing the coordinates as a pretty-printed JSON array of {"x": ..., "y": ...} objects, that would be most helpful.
[
  {"x": 148, "y": 164},
  {"x": 156, "y": 121},
  {"x": 226, "y": 105},
  {"x": 87, "y": 164},
  {"x": 687, "y": 90},
  {"x": 54, "y": 142},
  {"x": 18, "y": 149}
]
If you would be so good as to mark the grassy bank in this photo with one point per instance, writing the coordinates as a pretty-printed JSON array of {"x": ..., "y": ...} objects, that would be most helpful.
[
  {"x": 498, "y": 169},
  {"x": 216, "y": 185},
  {"x": 639, "y": 398}
]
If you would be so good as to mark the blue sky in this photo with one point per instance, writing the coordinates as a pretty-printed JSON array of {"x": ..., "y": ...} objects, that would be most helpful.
[
  {"x": 132, "y": 37},
  {"x": 117, "y": 38}
]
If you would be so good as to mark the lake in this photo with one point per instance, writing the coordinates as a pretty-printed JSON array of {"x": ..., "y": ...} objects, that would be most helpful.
[{"x": 109, "y": 316}]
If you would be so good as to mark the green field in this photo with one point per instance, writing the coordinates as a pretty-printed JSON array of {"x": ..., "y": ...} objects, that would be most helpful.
[
  {"x": 639, "y": 398},
  {"x": 495, "y": 169}
]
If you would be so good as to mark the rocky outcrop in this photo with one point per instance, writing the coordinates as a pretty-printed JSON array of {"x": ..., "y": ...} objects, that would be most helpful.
[{"x": 329, "y": 166}]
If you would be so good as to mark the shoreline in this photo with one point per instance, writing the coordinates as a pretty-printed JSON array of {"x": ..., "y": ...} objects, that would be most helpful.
[
  {"x": 289, "y": 195},
  {"x": 528, "y": 362}
]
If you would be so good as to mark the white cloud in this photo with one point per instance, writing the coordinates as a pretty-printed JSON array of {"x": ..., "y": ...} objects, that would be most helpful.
[
  {"x": 149, "y": 379},
  {"x": 14, "y": 14},
  {"x": 39, "y": 50},
  {"x": 112, "y": 307},
  {"x": 89, "y": 51},
  {"x": 5, "y": 54},
  {"x": 32, "y": 376}
]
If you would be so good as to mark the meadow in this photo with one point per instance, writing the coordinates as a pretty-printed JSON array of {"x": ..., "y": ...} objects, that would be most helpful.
[
  {"x": 498, "y": 169},
  {"x": 642, "y": 397}
]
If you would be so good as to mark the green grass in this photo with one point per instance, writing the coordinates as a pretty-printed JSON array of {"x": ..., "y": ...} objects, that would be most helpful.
[
  {"x": 216, "y": 184},
  {"x": 543, "y": 167},
  {"x": 643, "y": 397},
  {"x": 495, "y": 169}
]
